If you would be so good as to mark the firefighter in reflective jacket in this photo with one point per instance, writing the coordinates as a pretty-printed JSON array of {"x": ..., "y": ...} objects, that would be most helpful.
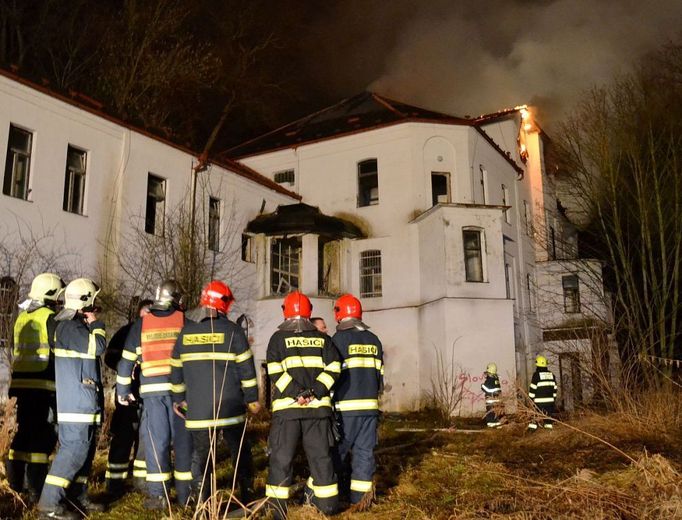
[
  {"x": 542, "y": 392},
  {"x": 356, "y": 396},
  {"x": 79, "y": 341},
  {"x": 492, "y": 389},
  {"x": 303, "y": 365},
  {"x": 124, "y": 428},
  {"x": 33, "y": 385},
  {"x": 151, "y": 340},
  {"x": 214, "y": 379}
]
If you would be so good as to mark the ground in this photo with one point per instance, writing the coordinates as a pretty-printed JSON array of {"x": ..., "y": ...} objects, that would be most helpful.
[{"x": 594, "y": 466}]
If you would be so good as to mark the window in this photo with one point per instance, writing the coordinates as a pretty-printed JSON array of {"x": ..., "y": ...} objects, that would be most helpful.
[
  {"x": 248, "y": 254},
  {"x": 551, "y": 245},
  {"x": 74, "y": 181},
  {"x": 285, "y": 176},
  {"x": 505, "y": 202},
  {"x": 473, "y": 254},
  {"x": 156, "y": 205},
  {"x": 484, "y": 183},
  {"x": 370, "y": 273},
  {"x": 18, "y": 163},
  {"x": 528, "y": 218},
  {"x": 9, "y": 293},
  {"x": 440, "y": 188},
  {"x": 328, "y": 266},
  {"x": 368, "y": 183},
  {"x": 508, "y": 281},
  {"x": 214, "y": 224},
  {"x": 529, "y": 287},
  {"x": 285, "y": 261},
  {"x": 571, "y": 293}
]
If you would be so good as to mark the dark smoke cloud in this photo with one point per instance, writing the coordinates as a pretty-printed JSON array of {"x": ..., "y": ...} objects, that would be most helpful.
[{"x": 482, "y": 56}]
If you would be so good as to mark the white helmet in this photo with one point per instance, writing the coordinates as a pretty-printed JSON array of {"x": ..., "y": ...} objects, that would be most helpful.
[
  {"x": 46, "y": 287},
  {"x": 80, "y": 293}
]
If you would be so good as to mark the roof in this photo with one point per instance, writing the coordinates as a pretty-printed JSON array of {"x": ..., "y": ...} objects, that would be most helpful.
[
  {"x": 363, "y": 112},
  {"x": 301, "y": 218},
  {"x": 366, "y": 111},
  {"x": 87, "y": 104}
]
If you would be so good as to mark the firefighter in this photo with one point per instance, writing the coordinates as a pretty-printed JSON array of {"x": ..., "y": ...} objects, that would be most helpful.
[
  {"x": 125, "y": 421},
  {"x": 542, "y": 392},
  {"x": 79, "y": 341},
  {"x": 491, "y": 389},
  {"x": 214, "y": 380},
  {"x": 150, "y": 341},
  {"x": 33, "y": 385},
  {"x": 303, "y": 365},
  {"x": 356, "y": 396}
]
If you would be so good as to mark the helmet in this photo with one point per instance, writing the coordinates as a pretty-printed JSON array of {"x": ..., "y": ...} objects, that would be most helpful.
[
  {"x": 46, "y": 287},
  {"x": 491, "y": 369},
  {"x": 347, "y": 306},
  {"x": 297, "y": 305},
  {"x": 80, "y": 294},
  {"x": 167, "y": 292},
  {"x": 541, "y": 361},
  {"x": 216, "y": 295}
]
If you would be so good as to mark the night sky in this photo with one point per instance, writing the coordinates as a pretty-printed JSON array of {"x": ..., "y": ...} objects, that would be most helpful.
[{"x": 468, "y": 58}]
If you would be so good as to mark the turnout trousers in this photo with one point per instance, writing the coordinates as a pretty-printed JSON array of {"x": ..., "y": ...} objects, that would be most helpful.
[
  {"x": 547, "y": 409},
  {"x": 203, "y": 459},
  {"x": 34, "y": 441},
  {"x": 163, "y": 429},
  {"x": 358, "y": 440},
  {"x": 318, "y": 441},
  {"x": 492, "y": 418},
  {"x": 68, "y": 476},
  {"x": 124, "y": 432}
]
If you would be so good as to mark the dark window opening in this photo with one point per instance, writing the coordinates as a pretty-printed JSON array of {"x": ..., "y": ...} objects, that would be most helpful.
[
  {"x": 17, "y": 163},
  {"x": 214, "y": 224},
  {"x": 473, "y": 255},
  {"x": 74, "y": 181},
  {"x": 368, "y": 183},
  {"x": 156, "y": 201},
  {"x": 440, "y": 188},
  {"x": 571, "y": 287},
  {"x": 285, "y": 176}
]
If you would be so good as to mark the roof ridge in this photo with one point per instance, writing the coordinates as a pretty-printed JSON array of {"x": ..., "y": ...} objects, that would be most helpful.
[{"x": 386, "y": 103}]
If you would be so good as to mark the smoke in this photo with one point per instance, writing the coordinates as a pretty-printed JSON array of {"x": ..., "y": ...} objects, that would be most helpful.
[{"x": 473, "y": 59}]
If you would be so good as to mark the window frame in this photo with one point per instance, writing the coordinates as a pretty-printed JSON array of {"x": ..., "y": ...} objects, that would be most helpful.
[
  {"x": 370, "y": 274},
  {"x": 364, "y": 197},
  {"x": 284, "y": 176},
  {"x": 214, "y": 221},
  {"x": 283, "y": 272},
  {"x": 157, "y": 201},
  {"x": 9, "y": 183},
  {"x": 571, "y": 293},
  {"x": 447, "y": 194},
  {"x": 247, "y": 250},
  {"x": 480, "y": 250},
  {"x": 70, "y": 175}
]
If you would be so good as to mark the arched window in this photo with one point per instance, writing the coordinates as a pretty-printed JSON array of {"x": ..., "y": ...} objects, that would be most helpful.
[{"x": 368, "y": 183}]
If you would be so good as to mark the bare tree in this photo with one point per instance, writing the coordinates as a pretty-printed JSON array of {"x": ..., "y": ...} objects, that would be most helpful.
[{"x": 623, "y": 150}]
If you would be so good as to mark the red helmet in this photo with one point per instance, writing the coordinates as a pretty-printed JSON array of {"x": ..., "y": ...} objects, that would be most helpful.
[
  {"x": 347, "y": 306},
  {"x": 297, "y": 305},
  {"x": 216, "y": 295}
]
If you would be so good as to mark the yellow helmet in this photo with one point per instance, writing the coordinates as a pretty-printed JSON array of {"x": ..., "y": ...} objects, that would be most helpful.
[
  {"x": 80, "y": 293},
  {"x": 541, "y": 361},
  {"x": 491, "y": 369},
  {"x": 46, "y": 287}
]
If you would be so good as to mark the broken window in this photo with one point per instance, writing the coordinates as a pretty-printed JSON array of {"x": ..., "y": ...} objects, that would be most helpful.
[
  {"x": 473, "y": 254},
  {"x": 328, "y": 268},
  {"x": 370, "y": 273},
  {"x": 571, "y": 287},
  {"x": 74, "y": 181},
  {"x": 368, "y": 183},
  {"x": 18, "y": 163},
  {"x": 214, "y": 224},
  {"x": 285, "y": 263},
  {"x": 156, "y": 205},
  {"x": 440, "y": 188}
]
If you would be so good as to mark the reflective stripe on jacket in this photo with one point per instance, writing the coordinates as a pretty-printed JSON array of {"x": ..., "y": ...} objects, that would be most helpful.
[
  {"x": 78, "y": 346},
  {"x": 33, "y": 363},
  {"x": 213, "y": 370},
  {"x": 543, "y": 388},
  {"x": 362, "y": 372}
]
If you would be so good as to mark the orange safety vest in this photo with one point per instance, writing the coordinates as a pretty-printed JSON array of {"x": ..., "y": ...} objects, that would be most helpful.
[{"x": 158, "y": 338}]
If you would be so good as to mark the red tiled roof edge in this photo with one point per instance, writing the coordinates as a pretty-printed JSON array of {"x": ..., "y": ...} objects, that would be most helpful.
[{"x": 237, "y": 168}]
